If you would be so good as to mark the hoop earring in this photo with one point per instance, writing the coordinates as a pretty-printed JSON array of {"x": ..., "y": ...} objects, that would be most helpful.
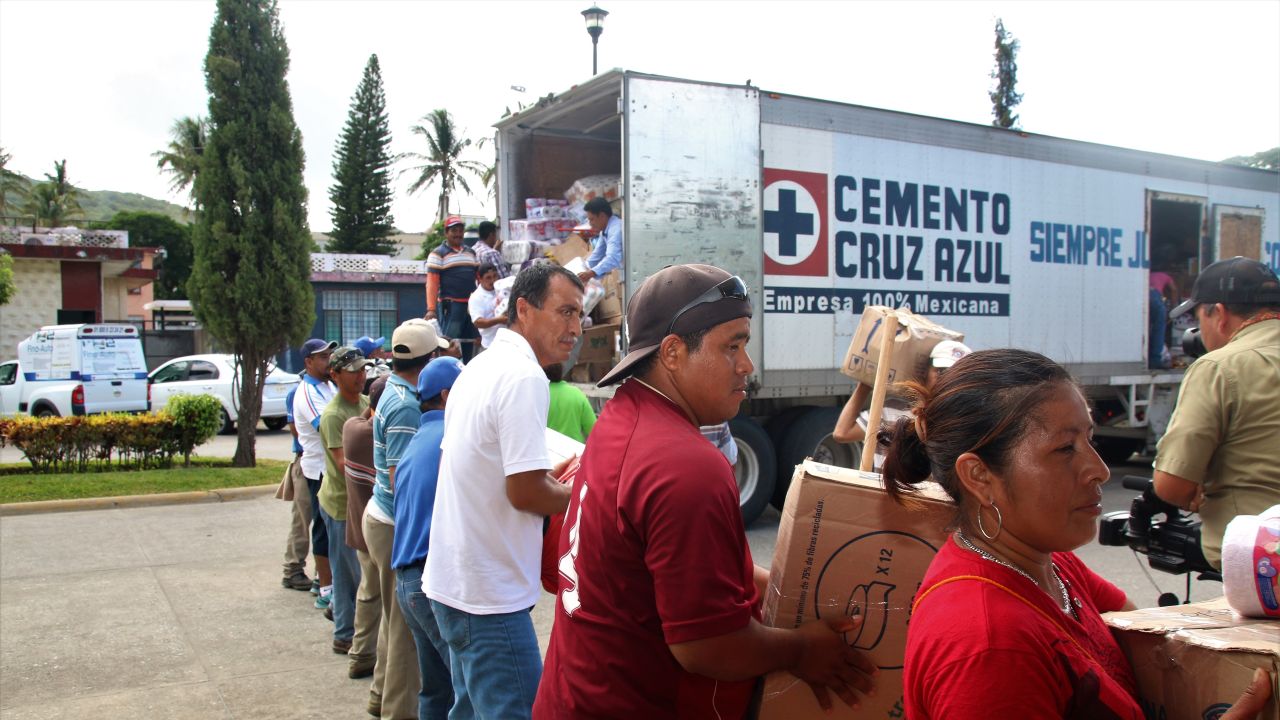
[{"x": 999, "y": 524}]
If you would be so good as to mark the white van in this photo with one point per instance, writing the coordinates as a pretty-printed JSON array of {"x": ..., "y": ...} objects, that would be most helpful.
[{"x": 76, "y": 370}]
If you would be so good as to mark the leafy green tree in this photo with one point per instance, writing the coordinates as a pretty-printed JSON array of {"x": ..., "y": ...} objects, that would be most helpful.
[
  {"x": 442, "y": 165},
  {"x": 361, "y": 193},
  {"x": 11, "y": 184},
  {"x": 188, "y": 138},
  {"x": 432, "y": 240},
  {"x": 1005, "y": 98},
  {"x": 250, "y": 281},
  {"x": 148, "y": 229},
  {"x": 54, "y": 201},
  {"x": 7, "y": 286},
  {"x": 1265, "y": 160}
]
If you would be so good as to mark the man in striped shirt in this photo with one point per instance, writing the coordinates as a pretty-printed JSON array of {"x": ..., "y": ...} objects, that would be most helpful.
[
  {"x": 451, "y": 278},
  {"x": 395, "y": 421},
  {"x": 487, "y": 249}
]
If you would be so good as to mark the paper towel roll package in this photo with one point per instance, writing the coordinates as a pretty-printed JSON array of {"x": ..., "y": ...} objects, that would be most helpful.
[{"x": 1251, "y": 564}]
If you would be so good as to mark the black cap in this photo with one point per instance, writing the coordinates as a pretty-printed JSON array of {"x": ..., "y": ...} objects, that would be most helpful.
[
  {"x": 671, "y": 301},
  {"x": 1238, "y": 281}
]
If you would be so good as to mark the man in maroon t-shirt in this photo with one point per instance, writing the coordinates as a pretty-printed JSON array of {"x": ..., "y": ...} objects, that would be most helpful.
[{"x": 658, "y": 610}]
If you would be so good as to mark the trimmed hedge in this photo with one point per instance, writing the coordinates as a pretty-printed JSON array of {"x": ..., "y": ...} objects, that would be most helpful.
[{"x": 81, "y": 443}]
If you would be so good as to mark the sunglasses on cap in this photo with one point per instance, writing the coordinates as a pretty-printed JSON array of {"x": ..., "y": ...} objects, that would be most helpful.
[
  {"x": 345, "y": 358},
  {"x": 731, "y": 289}
]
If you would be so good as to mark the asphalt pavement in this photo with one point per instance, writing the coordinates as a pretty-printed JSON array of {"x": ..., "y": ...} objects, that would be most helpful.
[{"x": 177, "y": 611}]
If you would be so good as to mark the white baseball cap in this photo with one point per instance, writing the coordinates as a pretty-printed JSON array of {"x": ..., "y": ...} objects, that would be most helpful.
[{"x": 946, "y": 353}]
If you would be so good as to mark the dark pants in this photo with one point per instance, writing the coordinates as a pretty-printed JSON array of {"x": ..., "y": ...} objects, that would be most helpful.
[
  {"x": 319, "y": 535},
  {"x": 1155, "y": 333},
  {"x": 455, "y": 323}
]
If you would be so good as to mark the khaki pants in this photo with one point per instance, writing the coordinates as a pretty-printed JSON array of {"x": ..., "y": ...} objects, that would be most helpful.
[
  {"x": 368, "y": 617},
  {"x": 400, "y": 682},
  {"x": 299, "y": 542}
]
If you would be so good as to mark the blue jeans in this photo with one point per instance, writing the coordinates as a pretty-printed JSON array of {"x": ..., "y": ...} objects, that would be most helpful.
[
  {"x": 1155, "y": 332},
  {"x": 494, "y": 660},
  {"x": 437, "y": 694},
  {"x": 455, "y": 322},
  {"x": 345, "y": 567}
]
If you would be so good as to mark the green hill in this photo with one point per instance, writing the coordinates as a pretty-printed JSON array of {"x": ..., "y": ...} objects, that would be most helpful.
[{"x": 101, "y": 205}]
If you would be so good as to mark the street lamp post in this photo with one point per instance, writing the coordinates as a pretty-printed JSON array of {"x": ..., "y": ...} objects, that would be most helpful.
[{"x": 595, "y": 26}]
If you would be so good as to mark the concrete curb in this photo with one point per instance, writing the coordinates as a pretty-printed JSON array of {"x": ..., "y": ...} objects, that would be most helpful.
[{"x": 130, "y": 501}]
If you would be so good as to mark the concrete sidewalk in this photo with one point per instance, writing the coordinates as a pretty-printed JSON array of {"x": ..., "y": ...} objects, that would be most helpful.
[{"x": 166, "y": 612}]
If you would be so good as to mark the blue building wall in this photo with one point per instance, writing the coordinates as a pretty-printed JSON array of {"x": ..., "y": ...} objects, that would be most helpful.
[{"x": 410, "y": 297}]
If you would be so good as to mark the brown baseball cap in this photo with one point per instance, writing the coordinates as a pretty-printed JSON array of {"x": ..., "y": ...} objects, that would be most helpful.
[{"x": 678, "y": 300}]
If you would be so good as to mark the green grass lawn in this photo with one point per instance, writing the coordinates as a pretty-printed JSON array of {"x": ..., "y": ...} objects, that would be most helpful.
[{"x": 204, "y": 474}]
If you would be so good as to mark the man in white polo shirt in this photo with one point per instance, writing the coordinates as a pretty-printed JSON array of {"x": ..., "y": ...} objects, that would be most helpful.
[{"x": 482, "y": 574}]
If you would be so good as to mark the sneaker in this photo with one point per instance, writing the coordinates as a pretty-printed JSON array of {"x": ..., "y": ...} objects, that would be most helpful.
[
  {"x": 326, "y": 594},
  {"x": 341, "y": 647},
  {"x": 328, "y": 614},
  {"x": 296, "y": 581},
  {"x": 361, "y": 666},
  {"x": 375, "y": 705},
  {"x": 315, "y": 587}
]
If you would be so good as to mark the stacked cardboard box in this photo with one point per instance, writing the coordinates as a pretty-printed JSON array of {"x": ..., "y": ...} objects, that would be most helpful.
[{"x": 911, "y": 346}]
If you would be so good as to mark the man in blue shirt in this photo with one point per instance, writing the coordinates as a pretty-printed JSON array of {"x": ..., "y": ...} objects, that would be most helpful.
[
  {"x": 415, "y": 499},
  {"x": 395, "y": 421},
  {"x": 299, "y": 542},
  {"x": 606, "y": 248}
]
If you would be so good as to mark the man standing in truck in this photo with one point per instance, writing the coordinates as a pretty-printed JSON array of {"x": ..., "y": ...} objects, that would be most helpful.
[
  {"x": 451, "y": 278},
  {"x": 606, "y": 247},
  {"x": 1218, "y": 456}
]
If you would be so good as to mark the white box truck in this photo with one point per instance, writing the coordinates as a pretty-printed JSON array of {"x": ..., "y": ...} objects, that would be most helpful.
[
  {"x": 76, "y": 370},
  {"x": 1015, "y": 239}
]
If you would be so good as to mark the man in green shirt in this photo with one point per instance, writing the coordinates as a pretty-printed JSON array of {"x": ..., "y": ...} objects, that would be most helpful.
[
  {"x": 1218, "y": 455},
  {"x": 570, "y": 411},
  {"x": 347, "y": 370}
]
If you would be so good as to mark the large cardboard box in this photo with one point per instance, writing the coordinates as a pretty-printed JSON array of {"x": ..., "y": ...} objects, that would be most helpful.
[
  {"x": 573, "y": 247},
  {"x": 598, "y": 344},
  {"x": 843, "y": 547},
  {"x": 609, "y": 309},
  {"x": 916, "y": 337},
  {"x": 1192, "y": 661}
]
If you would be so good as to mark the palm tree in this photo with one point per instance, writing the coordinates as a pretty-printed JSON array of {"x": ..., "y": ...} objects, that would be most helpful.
[
  {"x": 443, "y": 164},
  {"x": 55, "y": 200},
  {"x": 186, "y": 147},
  {"x": 11, "y": 183}
]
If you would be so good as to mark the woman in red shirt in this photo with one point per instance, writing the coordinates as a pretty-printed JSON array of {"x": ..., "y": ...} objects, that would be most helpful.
[{"x": 1007, "y": 622}]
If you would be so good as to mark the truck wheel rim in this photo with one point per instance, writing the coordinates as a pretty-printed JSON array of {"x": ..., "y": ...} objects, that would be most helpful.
[{"x": 746, "y": 471}]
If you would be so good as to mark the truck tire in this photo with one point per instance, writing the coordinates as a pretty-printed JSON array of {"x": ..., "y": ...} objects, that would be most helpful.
[
  {"x": 756, "y": 468},
  {"x": 810, "y": 436},
  {"x": 44, "y": 410},
  {"x": 778, "y": 426}
]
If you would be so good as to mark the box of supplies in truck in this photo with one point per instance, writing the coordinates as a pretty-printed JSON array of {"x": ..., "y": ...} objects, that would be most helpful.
[{"x": 823, "y": 208}]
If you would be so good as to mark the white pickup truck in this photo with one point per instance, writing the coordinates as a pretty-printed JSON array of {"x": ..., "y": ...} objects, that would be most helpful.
[{"x": 75, "y": 370}]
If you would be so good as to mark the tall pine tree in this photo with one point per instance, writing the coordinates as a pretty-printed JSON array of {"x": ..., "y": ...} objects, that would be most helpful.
[
  {"x": 361, "y": 192},
  {"x": 1005, "y": 98},
  {"x": 250, "y": 282}
]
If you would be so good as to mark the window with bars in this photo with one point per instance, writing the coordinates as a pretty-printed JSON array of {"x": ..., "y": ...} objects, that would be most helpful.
[{"x": 351, "y": 314}]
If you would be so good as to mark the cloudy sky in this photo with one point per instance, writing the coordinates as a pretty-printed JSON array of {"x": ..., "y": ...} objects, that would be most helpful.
[{"x": 99, "y": 82}]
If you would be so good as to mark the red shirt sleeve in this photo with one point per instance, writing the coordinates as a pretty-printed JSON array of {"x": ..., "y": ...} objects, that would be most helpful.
[{"x": 692, "y": 509}]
